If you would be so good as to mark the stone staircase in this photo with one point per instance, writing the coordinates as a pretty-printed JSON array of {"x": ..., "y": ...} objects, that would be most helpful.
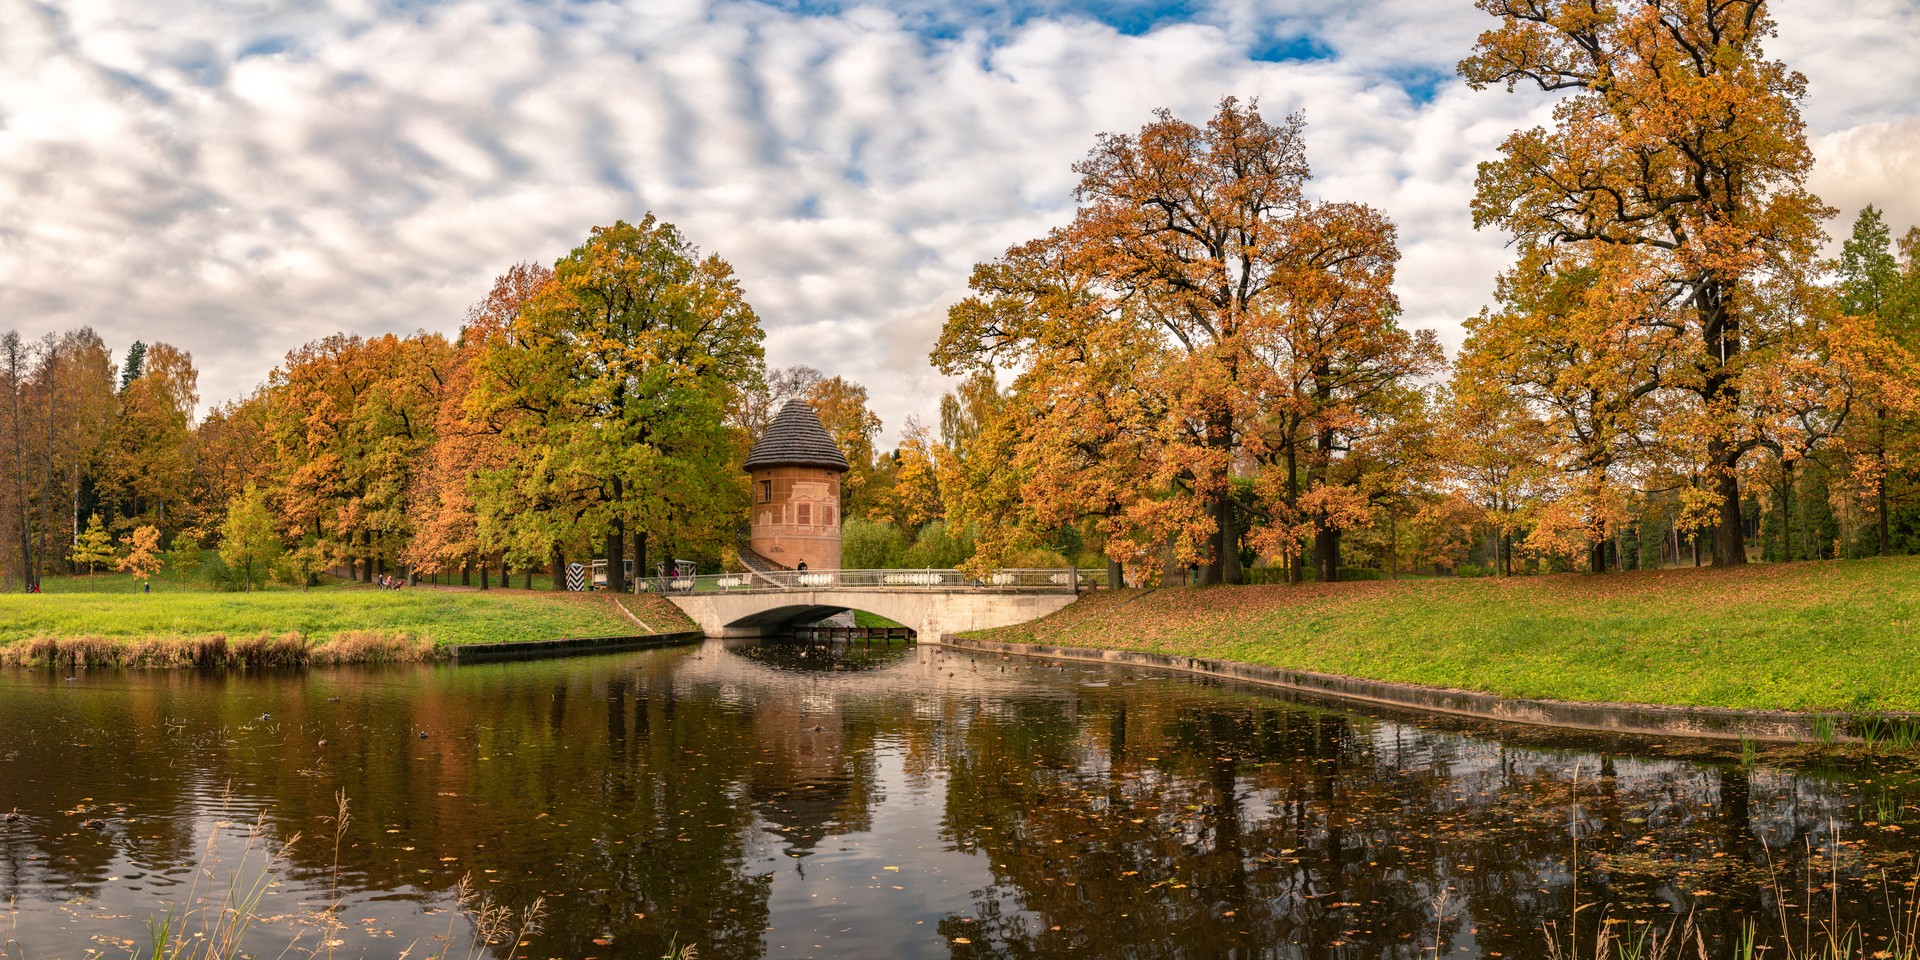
[{"x": 754, "y": 562}]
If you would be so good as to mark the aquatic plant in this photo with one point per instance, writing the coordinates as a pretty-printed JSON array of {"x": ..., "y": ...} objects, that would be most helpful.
[{"x": 203, "y": 932}]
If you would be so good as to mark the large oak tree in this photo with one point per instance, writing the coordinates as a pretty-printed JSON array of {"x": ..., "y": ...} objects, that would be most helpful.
[{"x": 1679, "y": 142}]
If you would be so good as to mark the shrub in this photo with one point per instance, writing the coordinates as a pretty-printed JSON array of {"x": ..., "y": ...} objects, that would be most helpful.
[
  {"x": 871, "y": 545},
  {"x": 1472, "y": 570},
  {"x": 939, "y": 547}
]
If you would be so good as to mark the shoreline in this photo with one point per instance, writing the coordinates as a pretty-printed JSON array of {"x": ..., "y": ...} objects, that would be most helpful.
[
  {"x": 292, "y": 650},
  {"x": 1626, "y": 719}
]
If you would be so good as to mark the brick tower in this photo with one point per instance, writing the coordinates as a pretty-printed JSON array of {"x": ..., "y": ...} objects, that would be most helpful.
[{"x": 796, "y": 470}]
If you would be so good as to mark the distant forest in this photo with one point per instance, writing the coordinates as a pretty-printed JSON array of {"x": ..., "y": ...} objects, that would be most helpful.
[{"x": 1202, "y": 376}]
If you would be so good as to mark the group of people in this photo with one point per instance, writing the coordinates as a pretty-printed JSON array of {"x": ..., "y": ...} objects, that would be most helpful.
[{"x": 390, "y": 583}]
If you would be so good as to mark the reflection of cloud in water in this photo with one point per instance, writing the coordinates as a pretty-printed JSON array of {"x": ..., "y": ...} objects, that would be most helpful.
[{"x": 1036, "y": 809}]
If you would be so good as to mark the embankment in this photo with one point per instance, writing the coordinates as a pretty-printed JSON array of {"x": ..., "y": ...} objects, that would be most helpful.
[
  {"x": 1834, "y": 636},
  {"x": 304, "y": 627}
]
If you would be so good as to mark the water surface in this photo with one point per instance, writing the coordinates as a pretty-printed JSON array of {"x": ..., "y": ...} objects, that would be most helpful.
[{"x": 783, "y": 801}]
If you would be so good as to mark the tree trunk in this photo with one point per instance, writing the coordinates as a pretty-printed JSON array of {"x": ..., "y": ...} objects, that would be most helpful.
[
  {"x": 1720, "y": 330},
  {"x": 1225, "y": 567},
  {"x": 1326, "y": 552},
  {"x": 1393, "y": 546},
  {"x": 1886, "y": 535},
  {"x": 640, "y": 556},
  {"x": 46, "y": 490},
  {"x": 485, "y": 562},
  {"x": 1116, "y": 576},
  {"x": 557, "y": 569},
  {"x": 1786, "y": 513},
  {"x": 1225, "y": 545},
  {"x": 617, "y": 558},
  {"x": 466, "y": 571},
  {"x": 1295, "y": 571}
]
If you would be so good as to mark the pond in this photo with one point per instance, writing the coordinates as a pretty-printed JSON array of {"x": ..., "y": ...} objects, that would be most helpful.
[{"x": 778, "y": 800}]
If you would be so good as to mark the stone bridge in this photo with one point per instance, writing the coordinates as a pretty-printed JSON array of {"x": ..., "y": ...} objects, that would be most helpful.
[{"x": 934, "y": 603}]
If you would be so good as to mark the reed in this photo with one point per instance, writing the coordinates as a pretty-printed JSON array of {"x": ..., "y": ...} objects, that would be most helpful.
[{"x": 217, "y": 652}]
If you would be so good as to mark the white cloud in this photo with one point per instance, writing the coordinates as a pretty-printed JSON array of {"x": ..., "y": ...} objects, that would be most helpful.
[{"x": 238, "y": 178}]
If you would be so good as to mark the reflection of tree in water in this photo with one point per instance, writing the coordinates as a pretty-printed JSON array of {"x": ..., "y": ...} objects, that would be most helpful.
[
  {"x": 806, "y": 656},
  {"x": 1221, "y": 829},
  {"x": 1153, "y": 817},
  {"x": 602, "y": 791}
]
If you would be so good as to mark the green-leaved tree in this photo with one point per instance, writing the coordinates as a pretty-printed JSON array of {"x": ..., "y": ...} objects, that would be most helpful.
[
  {"x": 93, "y": 547},
  {"x": 248, "y": 542}
]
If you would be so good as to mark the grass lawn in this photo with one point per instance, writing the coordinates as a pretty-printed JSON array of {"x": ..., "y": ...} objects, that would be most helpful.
[
  {"x": 1808, "y": 636},
  {"x": 440, "y": 617}
]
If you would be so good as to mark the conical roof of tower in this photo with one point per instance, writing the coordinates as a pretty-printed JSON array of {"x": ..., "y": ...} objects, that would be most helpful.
[{"x": 796, "y": 438}]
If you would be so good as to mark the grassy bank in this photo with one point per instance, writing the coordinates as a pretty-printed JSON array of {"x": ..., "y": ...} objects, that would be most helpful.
[
  {"x": 1809, "y": 636},
  {"x": 331, "y": 625}
]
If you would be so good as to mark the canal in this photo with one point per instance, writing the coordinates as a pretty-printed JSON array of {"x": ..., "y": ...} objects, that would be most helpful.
[{"x": 774, "y": 800}]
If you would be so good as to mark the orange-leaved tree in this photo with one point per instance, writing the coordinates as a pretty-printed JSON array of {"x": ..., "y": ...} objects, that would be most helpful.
[
  {"x": 1200, "y": 317},
  {"x": 143, "y": 553},
  {"x": 466, "y": 500},
  {"x": 1678, "y": 142}
]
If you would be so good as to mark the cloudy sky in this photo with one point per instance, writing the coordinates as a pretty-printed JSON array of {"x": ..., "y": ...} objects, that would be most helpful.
[{"x": 237, "y": 177}]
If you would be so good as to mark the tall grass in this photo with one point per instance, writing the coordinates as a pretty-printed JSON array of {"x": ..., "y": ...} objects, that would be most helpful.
[
  {"x": 358, "y": 646},
  {"x": 217, "y": 930},
  {"x": 1802, "y": 933}
]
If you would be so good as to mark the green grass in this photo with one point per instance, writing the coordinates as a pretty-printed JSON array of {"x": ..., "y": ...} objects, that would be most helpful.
[
  {"x": 1807, "y": 636},
  {"x": 441, "y": 617},
  {"x": 861, "y": 618}
]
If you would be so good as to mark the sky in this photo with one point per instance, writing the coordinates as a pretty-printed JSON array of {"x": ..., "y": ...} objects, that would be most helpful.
[{"x": 238, "y": 177}]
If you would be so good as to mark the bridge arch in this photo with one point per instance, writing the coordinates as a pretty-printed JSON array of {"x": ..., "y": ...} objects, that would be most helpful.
[
  {"x": 932, "y": 614},
  {"x": 782, "y": 617}
]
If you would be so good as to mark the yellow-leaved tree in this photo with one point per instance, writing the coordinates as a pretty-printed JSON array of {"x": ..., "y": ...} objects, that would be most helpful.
[{"x": 1665, "y": 237}]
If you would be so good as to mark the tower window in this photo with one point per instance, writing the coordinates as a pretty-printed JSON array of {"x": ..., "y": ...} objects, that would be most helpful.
[
  {"x": 806, "y": 514},
  {"x": 766, "y": 491}
]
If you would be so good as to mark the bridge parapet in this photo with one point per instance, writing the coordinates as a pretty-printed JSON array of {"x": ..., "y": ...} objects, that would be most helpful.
[
  {"x": 1024, "y": 580},
  {"x": 934, "y": 603}
]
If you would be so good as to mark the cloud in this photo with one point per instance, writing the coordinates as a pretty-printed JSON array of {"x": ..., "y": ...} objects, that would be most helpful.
[{"x": 239, "y": 178}]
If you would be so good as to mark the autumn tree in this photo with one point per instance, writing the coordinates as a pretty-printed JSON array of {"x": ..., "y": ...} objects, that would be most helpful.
[
  {"x": 183, "y": 556},
  {"x": 230, "y": 449},
  {"x": 469, "y": 462},
  {"x": 149, "y": 470},
  {"x": 1201, "y": 316},
  {"x": 618, "y": 376},
  {"x": 57, "y": 407},
  {"x": 1678, "y": 147},
  {"x": 248, "y": 540},
  {"x": 758, "y": 403},
  {"x": 15, "y": 373},
  {"x": 143, "y": 553},
  {"x": 1497, "y": 457},
  {"x": 1884, "y": 439},
  {"x": 348, "y": 421},
  {"x": 93, "y": 547},
  {"x": 842, "y": 408},
  {"x": 914, "y": 496}
]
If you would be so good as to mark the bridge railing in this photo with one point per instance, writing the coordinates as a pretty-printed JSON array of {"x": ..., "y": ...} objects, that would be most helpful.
[{"x": 1023, "y": 580}]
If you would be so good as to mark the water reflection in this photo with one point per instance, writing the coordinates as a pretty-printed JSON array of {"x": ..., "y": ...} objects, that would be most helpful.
[{"x": 890, "y": 802}]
